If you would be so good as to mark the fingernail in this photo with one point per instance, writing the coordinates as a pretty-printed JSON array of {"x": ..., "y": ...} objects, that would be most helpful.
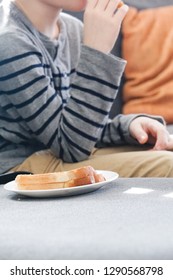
[
  {"x": 142, "y": 138},
  {"x": 125, "y": 7}
]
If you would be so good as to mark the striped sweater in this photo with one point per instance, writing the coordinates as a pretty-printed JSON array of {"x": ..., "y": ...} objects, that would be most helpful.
[{"x": 55, "y": 94}]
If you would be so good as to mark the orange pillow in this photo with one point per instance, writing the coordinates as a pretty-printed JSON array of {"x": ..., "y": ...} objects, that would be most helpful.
[{"x": 148, "y": 48}]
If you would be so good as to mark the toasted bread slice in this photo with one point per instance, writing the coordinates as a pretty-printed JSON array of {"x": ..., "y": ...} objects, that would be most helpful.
[
  {"x": 68, "y": 184},
  {"x": 54, "y": 177},
  {"x": 66, "y": 179}
]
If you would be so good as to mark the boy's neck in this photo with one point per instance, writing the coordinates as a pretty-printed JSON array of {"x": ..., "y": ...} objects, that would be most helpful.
[{"x": 43, "y": 17}]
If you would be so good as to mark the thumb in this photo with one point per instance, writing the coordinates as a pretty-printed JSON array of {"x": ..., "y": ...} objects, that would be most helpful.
[
  {"x": 139, "y": 133},
  {"x": 143, "y": 137}
]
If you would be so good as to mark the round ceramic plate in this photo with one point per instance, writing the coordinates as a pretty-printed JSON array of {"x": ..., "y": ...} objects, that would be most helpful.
[{"x": 109, "y": 176}]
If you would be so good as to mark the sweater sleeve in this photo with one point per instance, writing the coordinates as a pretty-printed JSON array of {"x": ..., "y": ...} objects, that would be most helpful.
[
  {"x": 94, "y": 89},
  {"x": 33, "y": 111}
]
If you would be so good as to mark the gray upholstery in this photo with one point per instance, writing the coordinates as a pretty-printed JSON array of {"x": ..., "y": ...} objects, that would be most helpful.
[
  {"x": 145, "y": 4},
  {"x": 107, "y": 224}
]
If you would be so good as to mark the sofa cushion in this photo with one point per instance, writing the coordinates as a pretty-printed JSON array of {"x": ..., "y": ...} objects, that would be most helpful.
[
  {"x": 117, "y": 50},
  {"x": 147, "y": 46},
  {"x": 140, "y": 5}
]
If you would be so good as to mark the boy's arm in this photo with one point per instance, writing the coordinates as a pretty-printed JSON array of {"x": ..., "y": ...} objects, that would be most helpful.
[{"x": 34, "y": 110}]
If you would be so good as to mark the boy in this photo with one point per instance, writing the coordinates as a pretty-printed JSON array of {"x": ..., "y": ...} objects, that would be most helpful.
[{"x": 58, "y": 81}]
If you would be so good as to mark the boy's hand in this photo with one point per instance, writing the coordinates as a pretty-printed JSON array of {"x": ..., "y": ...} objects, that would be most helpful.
[
  {"x": 102, "y": 22},
  {"x": 147, "y": 130}
]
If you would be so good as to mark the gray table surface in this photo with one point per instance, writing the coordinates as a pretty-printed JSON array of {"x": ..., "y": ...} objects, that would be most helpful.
[{"x": 110, "y": 223}]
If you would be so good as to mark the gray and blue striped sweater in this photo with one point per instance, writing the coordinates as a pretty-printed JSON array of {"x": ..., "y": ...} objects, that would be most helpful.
[{"x": 55, "y": 94}]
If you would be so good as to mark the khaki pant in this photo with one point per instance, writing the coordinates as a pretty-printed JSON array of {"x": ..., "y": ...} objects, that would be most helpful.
[{"x": 128, "y": 161}]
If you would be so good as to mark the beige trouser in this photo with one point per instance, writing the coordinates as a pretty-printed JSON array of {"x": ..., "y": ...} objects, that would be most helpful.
[{"x": 128, "y": 161}]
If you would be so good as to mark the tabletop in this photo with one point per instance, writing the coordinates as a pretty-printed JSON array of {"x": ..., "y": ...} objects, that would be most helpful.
[{"x": 127, "y": 219}]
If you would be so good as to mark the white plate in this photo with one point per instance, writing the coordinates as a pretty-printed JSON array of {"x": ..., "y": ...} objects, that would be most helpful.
[{"x": 109, "y": 176}]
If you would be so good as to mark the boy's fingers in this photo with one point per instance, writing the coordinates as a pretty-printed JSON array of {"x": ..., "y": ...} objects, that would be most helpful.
[
  {"x": 91, "y": 4},
  {"x": 112, "y": 7},
  {"x": 102, "y": 4},
  {"x": 121, "y": 12},
  {"x": 105, "y": 4},
  {"x": 161, "y": 140},
  {"x": 120, "y": 4},
  {"x": 139, "y": 134}
]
